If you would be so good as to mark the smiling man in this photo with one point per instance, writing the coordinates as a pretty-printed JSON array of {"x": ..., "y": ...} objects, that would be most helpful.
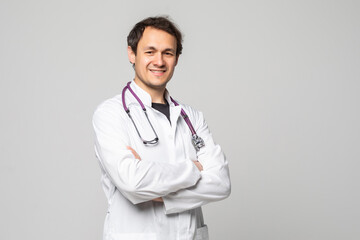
[{"x": 159, "y": 161}]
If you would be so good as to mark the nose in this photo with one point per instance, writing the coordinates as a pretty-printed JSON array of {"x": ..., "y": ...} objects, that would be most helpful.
[{"x": 158, "y": 60}]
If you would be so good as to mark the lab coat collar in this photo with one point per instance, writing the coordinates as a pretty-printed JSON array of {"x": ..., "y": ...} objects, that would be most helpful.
[{"x": 145, "y": 97}]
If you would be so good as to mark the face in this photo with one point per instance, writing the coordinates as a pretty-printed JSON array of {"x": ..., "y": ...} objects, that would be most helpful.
[{"x": 155, "y": 59}]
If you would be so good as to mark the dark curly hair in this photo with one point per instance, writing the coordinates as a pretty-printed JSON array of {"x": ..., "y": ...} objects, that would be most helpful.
[{"x": 161, "y": 23}]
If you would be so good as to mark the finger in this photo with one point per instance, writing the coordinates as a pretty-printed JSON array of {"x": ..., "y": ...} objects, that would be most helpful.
[
  {"x": 159, "y": 199},
  {"x": 198, "y": 165},
  {"x": 136, "y": 155}
]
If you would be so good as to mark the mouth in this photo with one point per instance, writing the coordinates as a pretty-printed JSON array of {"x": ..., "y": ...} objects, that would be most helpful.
[{"x": 158, "y": 72}]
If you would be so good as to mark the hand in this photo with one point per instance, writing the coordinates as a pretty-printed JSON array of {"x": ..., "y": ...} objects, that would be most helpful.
[
  {"x": 198, "y": 165},
  {"x": 134, "y": 152},
  {"x": 159, "y": 199}
]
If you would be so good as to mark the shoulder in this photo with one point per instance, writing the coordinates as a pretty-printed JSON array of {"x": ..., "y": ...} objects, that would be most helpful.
[
  {"x": 190, "y": 110},
  {"x": 110, "y": 108},
  {"x": 195, "y": 115},
  {"x": 109, "y": 122}
]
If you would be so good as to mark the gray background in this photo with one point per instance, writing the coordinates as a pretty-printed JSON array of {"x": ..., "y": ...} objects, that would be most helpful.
[{"x": 278, "y": 82}]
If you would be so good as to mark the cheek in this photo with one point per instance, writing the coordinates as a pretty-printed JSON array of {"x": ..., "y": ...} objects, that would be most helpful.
[
  {"x": 172, "y": 64},
  {"x": 143, "y": 61},
  {"x": 146, "y": 61}
]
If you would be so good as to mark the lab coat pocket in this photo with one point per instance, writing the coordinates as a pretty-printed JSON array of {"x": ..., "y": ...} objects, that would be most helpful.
[
  {"x": 132, "y": 236},
  {"x": 202, "y": 233}
]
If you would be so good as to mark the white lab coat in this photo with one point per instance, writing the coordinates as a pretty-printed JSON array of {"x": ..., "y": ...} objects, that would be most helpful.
[{"x": 165, "y": 170}]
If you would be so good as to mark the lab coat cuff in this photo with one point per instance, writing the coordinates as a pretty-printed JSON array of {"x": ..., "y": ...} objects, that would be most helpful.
[
  {"x": 172, "y": 203},
  {"x": 170, "y": 206}
]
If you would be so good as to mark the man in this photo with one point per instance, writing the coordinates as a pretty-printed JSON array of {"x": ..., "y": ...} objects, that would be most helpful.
[{"x": 158, "y": 159}]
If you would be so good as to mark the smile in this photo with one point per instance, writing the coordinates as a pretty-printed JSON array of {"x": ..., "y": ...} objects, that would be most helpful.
[{"x": 157, "y": 73}]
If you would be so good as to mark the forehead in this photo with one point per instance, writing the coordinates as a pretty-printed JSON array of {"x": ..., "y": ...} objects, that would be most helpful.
[{"x": 157, "y": 38}]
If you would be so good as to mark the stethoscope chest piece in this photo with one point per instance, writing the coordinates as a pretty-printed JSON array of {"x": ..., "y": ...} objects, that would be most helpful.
[{"x": 197, "y": 142}]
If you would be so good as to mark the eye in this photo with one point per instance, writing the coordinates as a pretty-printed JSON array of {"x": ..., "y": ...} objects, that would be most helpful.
[
  {"x": 169, "y": 54},
  {"x": 149, "y": 52}
]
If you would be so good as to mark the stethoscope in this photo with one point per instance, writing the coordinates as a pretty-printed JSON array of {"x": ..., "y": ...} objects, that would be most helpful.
[{"x": 197, "y": 141}]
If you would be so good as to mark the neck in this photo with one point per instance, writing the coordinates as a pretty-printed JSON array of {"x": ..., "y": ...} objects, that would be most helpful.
[
  {"x": 156, "y": 94},
  {"x": 158, "y": 97}
]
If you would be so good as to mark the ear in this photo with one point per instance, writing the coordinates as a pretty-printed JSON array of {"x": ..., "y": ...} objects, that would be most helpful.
[{"x": 131, "y": 55}]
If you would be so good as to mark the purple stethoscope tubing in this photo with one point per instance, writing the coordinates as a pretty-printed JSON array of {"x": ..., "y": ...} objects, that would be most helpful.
[
  {"x": 151, "y": 142},
  {"x": 185, "y": 117},
  {"x": 196, "y": 140}
]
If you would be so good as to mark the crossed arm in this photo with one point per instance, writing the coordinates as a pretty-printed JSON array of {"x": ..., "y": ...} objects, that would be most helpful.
[{"x": 136, "y": 155}]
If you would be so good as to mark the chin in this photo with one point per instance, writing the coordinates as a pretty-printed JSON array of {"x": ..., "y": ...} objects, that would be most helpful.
[{"x": 158, "y": 83}]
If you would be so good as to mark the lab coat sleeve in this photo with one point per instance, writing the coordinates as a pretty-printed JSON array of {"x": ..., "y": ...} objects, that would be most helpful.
[
  {"x": 137, "y": 180},
  {"x": 214, "y": 184}
]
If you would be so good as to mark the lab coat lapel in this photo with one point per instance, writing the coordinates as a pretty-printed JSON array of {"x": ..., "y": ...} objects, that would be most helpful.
[
  {"x": 174, "y": 112},
  {"x": 174, "y": 116}
]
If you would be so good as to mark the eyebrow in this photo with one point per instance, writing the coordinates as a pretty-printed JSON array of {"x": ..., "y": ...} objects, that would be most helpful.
[{"x": 166, "y": 50}]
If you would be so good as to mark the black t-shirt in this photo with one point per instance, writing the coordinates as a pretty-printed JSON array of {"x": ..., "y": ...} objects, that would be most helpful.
[{"x": 163, "y": 108}]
